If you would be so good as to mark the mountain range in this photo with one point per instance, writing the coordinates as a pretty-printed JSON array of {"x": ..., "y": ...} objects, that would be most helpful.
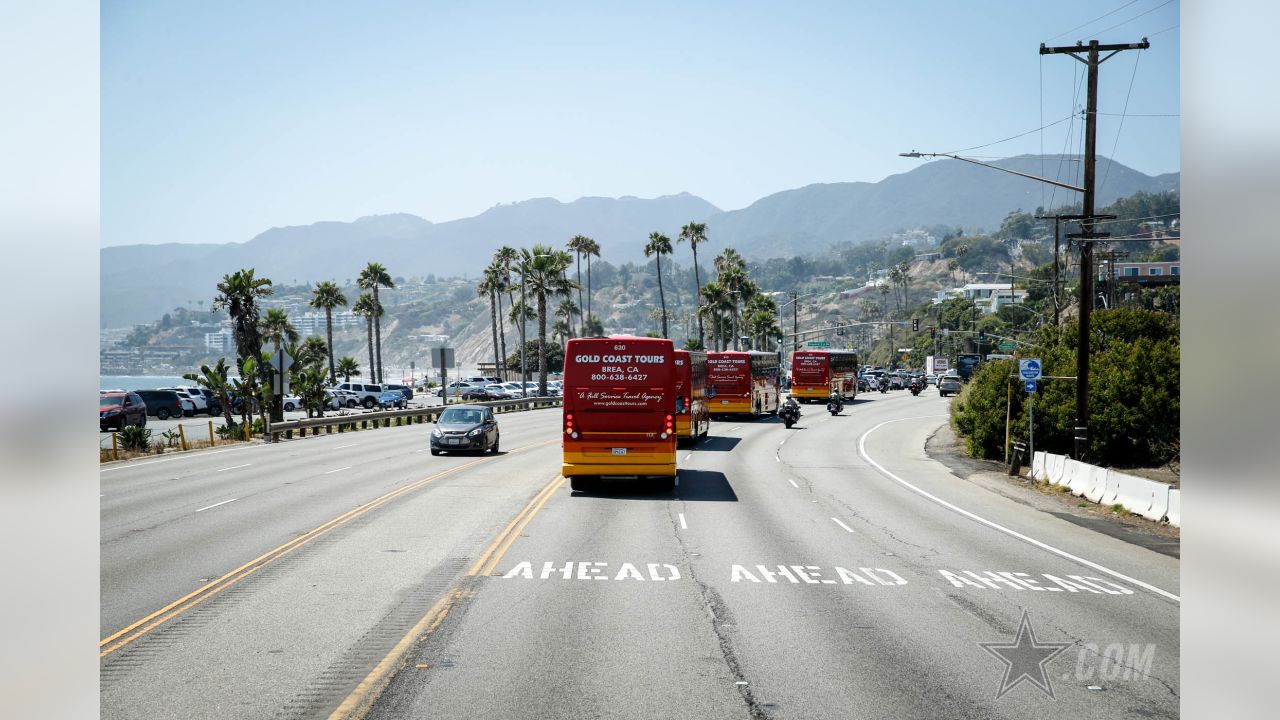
[{"x": 140, "y": 282}]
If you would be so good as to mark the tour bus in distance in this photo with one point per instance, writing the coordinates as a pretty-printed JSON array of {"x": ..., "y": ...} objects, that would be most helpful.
[
  {"x": 816, "y": 373},
  {"x": 742, "y": 383},
  {"x": 693, "y": 419},
  {"x": 619, "y": 411},
  {"x": 966, "y": 363}
]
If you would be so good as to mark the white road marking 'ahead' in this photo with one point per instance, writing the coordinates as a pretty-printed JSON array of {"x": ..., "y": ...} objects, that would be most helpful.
[{"x": 862, "y": 450}]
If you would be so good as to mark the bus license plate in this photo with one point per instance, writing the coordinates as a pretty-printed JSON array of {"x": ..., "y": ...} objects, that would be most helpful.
[
  {"x": 724, "y": 402},
  {"x": 619, "y": 451}
]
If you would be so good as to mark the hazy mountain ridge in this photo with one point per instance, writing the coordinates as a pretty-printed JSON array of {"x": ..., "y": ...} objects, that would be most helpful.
[{"x": 141, "y": 282}]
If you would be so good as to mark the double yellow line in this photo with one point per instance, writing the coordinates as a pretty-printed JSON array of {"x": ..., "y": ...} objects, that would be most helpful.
[
  {"x": 361, "y": 700},
  {"x": 138, "y": 628}
]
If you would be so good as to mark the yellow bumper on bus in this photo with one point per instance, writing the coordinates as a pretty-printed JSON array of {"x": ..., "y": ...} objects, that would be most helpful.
[
  {"x": 597, "y": 461},
  {"x": 729, "y": 406},
  {"x": 807, "y": 392}
]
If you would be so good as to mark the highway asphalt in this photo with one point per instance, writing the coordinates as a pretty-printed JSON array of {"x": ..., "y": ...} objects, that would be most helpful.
[{"x": 833, "y": 570}]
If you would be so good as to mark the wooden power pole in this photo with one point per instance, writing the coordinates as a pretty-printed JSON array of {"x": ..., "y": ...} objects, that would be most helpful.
[{"x": 1089, "y": 55}]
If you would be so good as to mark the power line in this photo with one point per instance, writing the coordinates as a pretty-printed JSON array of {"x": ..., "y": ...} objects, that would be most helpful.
[
  {"x": 1105, "y": 173},
  {"x": 1014, "y": 137},
  {"x": 1143, "y": 114},
  {"x": 1135, "y": 17},
  {"x": 1075, "y": 96},
  {"x": 1113, "y": 12},
  {"x": 1161, "y": 32}
]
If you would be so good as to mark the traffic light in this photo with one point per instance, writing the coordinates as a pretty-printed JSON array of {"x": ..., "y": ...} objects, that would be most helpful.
[
  {"x": 915, "y": 324},
  {"x": 982, "y": 336}
]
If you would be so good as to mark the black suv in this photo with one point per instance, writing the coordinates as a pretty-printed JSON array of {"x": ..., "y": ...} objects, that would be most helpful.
[
  {"x": 164, "y": 404},
  {"x": 402, "y": 389}
]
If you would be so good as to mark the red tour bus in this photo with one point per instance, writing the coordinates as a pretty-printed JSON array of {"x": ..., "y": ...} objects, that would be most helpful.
[
  {"x": 742, "y": 383},
  {"x": 693, "y": 420},
  {"x": 619, "y": 410},
  {"x": 816, "y": 373}
]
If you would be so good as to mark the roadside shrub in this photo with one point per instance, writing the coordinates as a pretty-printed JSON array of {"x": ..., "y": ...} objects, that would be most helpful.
[
  {"x": 1134, "y": 397},
  {"x": 135, "y": 439}
]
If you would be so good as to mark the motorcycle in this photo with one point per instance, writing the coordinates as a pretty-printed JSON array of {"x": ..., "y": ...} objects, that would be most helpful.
[
  {"x": 835, "y": 406},
  {"x": 790, "y": 415},
  {"x": 884, "y": 387},
  {"x": 915, "y": 388}
]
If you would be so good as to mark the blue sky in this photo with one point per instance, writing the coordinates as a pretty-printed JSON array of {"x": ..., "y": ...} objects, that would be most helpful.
[{"x": 220, "y": 120}]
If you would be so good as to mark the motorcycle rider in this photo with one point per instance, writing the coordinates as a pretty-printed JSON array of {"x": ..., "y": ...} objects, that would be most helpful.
[
  {"x": 836, "y": 402},
  {"x": 884, "y": 384}
]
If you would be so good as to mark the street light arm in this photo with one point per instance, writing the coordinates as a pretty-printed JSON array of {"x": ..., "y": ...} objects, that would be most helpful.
[{"x": 914, "y": 154}]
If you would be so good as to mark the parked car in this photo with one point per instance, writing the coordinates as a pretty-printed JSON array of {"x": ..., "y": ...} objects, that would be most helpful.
[
  {"x": 465, "y": 427},
  {"x": 119, "y": 409},
  {"x": 457, "y": 389},
  {"x": 948, "y": 385},
  {"x": 291, "y": 403},
  {"x": 403, "y": 389},
  {"x": 366, "y": 394},
  {"x": 200, "y": 404},
  {"x": 497, "y": 392},
  {"x": 163, "y": 404},
  {"x": 390, "y": 399},
  {"x": 479, "y": 380}
]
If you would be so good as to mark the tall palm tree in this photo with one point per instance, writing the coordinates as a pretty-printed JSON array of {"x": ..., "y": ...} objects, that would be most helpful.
[
  {"x": 490, "y": 284},
  {"x": 506, "y": 256},
  {"x": 327, "y": 296},
  {"x": 368, "y": 308},
  {"x": 718, "y": 301},
  {"x": 590, "y": 248},
  {"x": 695, "y": 234},
  {"x": 372, "y": 277},
  {"x": 238, "y": 293},
  {"x": 659, "y": 245},
  {"x": 313, "y": 351},
  {"x": 543, "y": 270},
  {"x": 347, "y": 366},
  {"x": 561, "y": 332},
  {"x": 275, "y": 327},
  {"x": 579, "y": 244}
]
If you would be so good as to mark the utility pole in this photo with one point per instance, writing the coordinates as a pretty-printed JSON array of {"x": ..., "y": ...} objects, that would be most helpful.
[
  {"x": 1087, "y": 234},
  {"x": 795, "y": 322}
]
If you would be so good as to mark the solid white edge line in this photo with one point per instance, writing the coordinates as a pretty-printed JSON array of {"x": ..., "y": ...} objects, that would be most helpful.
[
  {"x": 330, "y": 472},
  {"x": 224, "y": 502},
  {"x": 683, "y": 525},
  {"x": 233, "y": 467},
  {"x": 862, "y": 450},
  {"x": 793, "y": 483},
  {"x": 846, "y": 527},
  {"x": 202, "y": 454}
]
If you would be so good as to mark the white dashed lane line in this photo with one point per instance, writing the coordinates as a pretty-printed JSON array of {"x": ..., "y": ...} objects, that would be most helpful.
[
  {"x": 846, "y": 527},
  {"x": 330, "y": 472},
  {"x": 683, "y": 525},
  {"x": 793, "y": 483},
  {"x": 210, "y": 507},
  {"x": 235, "y": 467}
]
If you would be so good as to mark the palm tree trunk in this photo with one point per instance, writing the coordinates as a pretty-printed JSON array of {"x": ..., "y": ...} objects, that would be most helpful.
[
  {"x": 697, "y": 296},
  {"x": 500, "y": 370},
  {"x": 493, "y": 316},
  {"x": 328, "y": 331},
  {"x": 662, "y": 298},
  {"x": 589, "y": 314},
  {"x": 580, "y": 305},
  {"x": 542, "y": 339},
  {"x": 372, "y": 357},
  {"x": 377, "y": 328}
]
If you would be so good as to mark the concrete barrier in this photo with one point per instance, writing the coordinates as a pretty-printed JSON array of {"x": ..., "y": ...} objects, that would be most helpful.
[
  {"x": 1158, "y": 505},
  {"x": 1037, "y": 466},
  {"x": 1096, "y": 485},
  {"x": 1055, "y": 466},
  {"x": 1113, "y": 488},
  {"x": 1076, "y": 477},
  {"x": 1174, "y": 513}
]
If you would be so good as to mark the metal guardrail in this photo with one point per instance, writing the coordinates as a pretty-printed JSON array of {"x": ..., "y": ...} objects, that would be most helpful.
[{"x": 393, "y": 418}]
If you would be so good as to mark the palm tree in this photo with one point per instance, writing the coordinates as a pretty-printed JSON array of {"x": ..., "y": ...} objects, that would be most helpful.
[
  {"x": 238, "y": 293},
  {"x": 695, "y": 234},
  {"x": 561, "y": 332},
  {"x": 505, "y": 256},
  {"x": 659, "y": 245},
  {"x": 578, "y": 244},
  {"x": 590, "y": 248},
  {"x": 372, "y": 277},
  {"x": 543, "y": 270},
  {"x": 566, "y": 309},
  {"x": 275, "y": 326},
  {"x": 347, "y": 366},
  {"x": 313, "y": 351},
  {"x": 490, "y": 284},
  {"x": 327, "y": 296},
  {"x": 718, "y": 301},
  {"x": 214, "y": 379},
  {"x": 368, "y": 308}
]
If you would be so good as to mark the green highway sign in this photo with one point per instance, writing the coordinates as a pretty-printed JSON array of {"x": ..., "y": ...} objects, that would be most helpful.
[
  {"x": 817, "y": 343},
  {"x": 1006, "y": 345}
]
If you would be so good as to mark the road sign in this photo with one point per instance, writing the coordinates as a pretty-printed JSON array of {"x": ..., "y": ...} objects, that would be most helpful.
[
  {"x": 1030, "y": 385},
  {"x": 818, "y": 343},
  {"x": 442, "y": 357},
  {"x": 1029, "y": 369},
  {"x": 280, "y": 364},
  {"x": 1006, "y": 345}
]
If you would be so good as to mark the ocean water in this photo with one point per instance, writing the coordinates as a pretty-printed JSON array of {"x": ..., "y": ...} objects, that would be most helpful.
[{"x": 139, "y": 382}]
